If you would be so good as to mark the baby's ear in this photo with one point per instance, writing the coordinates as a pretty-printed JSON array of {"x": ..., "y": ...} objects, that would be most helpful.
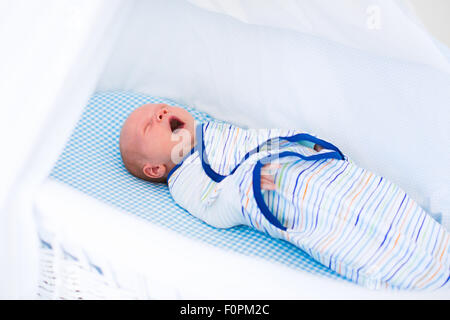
[{"x": 154, "y": 171}]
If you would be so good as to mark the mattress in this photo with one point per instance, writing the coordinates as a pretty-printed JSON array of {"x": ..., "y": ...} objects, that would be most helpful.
[{"x": 91, "y": 163}]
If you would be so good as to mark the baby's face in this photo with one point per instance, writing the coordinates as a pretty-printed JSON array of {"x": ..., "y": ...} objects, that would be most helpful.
[{"x": 153, "y": 130}]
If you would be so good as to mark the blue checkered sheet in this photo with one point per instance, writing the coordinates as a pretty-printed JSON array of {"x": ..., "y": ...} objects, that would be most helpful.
[{"x": 91, "y": 163}]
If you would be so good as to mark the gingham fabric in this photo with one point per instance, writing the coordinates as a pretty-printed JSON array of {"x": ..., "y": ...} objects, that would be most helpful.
[{"x": 91, "y": 163}]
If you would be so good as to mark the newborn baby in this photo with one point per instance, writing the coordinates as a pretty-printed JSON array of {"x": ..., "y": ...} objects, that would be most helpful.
[{"x": 292, "y": 186}]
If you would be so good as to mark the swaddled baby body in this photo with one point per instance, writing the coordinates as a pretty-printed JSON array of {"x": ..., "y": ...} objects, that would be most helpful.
[{"x": 292, "y": 186}]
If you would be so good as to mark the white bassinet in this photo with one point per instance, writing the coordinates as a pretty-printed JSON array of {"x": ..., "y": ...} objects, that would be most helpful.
[{"x": 78, "y": 226}]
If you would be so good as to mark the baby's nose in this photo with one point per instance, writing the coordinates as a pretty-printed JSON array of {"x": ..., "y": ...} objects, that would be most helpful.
[{"x": 161, "y": 113}]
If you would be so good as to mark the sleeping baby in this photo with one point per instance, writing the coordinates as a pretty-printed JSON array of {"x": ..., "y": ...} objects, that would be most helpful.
[{"x": 292, "y": 186}]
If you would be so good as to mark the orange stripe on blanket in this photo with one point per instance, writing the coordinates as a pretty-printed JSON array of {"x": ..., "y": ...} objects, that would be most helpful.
[
  {"x": 351, "y": 202},
  {"x": 306, "y": 189}
]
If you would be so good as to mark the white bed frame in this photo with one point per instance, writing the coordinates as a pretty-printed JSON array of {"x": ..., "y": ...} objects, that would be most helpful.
[{"x": 141, "y": 261}]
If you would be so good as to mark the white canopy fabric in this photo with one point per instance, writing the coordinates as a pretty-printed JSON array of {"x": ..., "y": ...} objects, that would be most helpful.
[
  {"x": 387, "y": 28},
  {"x": 52, "y": 54},
  {"x": 55, "y": 53}
]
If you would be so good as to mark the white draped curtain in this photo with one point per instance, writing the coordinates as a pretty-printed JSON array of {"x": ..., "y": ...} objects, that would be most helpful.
[
  {"x": 52, "y": 53},
  {"x": 388, "y": 28}
]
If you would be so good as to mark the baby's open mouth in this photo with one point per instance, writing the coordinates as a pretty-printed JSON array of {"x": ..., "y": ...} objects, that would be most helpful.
[{"x": 175, "y": 123}]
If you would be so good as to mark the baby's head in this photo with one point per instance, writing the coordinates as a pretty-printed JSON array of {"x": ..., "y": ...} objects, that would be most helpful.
[{"x": 148, "y": 138}]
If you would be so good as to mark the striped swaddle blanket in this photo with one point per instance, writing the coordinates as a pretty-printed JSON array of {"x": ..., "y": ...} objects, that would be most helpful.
[{"x": 349, "y": 219}]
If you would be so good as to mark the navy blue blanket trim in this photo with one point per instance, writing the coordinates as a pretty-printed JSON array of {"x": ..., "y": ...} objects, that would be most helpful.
[
  {"x": 257, "y": 179},
  {"x": 216, "y": 177},
  {"x": 295, "y": 138},
  {"x": 310, "y": 138},
  {"x": 205, "y": 163}
]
